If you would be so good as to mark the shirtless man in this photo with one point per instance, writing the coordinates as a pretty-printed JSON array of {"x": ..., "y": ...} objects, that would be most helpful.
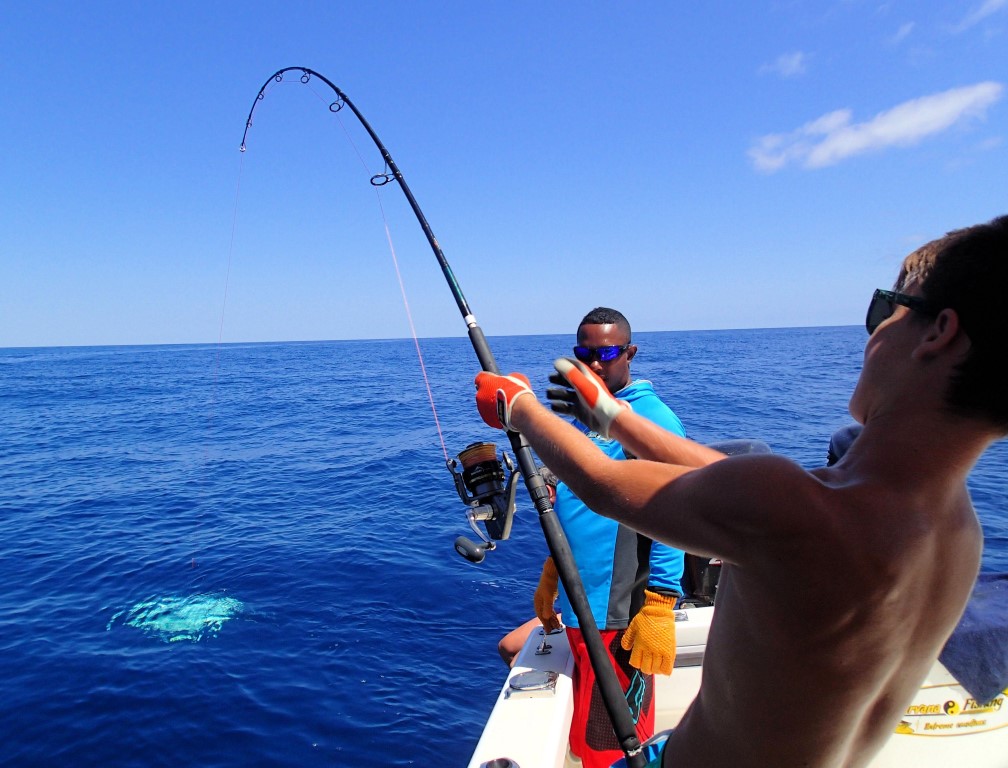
[{"x": 840, "y": 585}]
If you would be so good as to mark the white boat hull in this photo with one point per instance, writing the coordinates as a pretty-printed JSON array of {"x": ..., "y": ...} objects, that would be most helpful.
[{"x": 944, "y": 726}]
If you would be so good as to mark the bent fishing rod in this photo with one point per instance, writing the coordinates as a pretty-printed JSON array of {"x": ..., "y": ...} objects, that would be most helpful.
[{"x": 476, "y": 478}]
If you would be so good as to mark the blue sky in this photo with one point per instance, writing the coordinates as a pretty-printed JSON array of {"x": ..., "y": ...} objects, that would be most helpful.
[{"x": 697, "y": 165}]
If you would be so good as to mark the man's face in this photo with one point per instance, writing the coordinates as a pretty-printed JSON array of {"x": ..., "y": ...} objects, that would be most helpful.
[{"x": 615, "y": 373}]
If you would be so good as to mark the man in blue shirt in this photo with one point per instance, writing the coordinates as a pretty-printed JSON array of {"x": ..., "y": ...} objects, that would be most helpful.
[{"x": 631, "y": 582}]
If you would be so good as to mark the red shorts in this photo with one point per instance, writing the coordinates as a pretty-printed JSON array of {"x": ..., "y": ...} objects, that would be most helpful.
[{"x": 591, "y": 736}]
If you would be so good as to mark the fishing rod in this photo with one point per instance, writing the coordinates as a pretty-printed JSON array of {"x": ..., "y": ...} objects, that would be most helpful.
[{"x": 479, "y": 475}]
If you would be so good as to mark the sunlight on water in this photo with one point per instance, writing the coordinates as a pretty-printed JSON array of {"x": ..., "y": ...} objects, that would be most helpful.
[{"x": 174, "y": 619}]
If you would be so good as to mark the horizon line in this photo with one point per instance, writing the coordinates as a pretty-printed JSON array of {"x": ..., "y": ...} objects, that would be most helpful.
[{"x": 392, "y": 339}]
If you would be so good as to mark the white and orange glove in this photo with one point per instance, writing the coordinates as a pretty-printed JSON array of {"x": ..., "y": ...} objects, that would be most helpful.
[
  {"x": 650, "y": 638},
  {"x": 545, "y": 595},
  {"x": 583, "y": 395},
  {"x": 496, "y": 395}
]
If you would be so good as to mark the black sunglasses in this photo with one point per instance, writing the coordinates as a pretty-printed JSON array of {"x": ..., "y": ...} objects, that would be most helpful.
[
  {"x": 883, "y": 304},
  {"x": 605, "y": 354}
]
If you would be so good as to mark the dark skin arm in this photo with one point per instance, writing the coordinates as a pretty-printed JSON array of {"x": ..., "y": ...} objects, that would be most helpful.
[
  {"x": 646, "y": 440},
  {"x": 640, "y": 437}
]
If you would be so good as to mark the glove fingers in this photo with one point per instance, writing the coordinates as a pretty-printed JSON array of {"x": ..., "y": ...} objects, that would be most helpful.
[
  {"x": 563, "y": 367},
  {"x": 637, "y": 660},
  {"x": 546, "y": 593},
  {"x": 562, "y": 399},
  {"x": 486, "y": 400},
  {"x": 543, "y": 603},
  {"x": 585, "y": 387},
  {"x": 565, "y": 394},
  {"x": 548, "y": 619},
  {"x": 655, "y": 664},
  {"x": 652, "y": 633},
  {"x": 661, "y": 665},
  {"x": 556, "y": 378},
  {"x": 577, "y": 374},
  {"x": 496, "y": 394},
  {"x": 582, "y": 380}
]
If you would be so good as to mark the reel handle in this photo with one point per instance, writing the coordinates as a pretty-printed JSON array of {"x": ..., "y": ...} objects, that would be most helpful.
[
  {"x": 472, "y": 551},
  {"x": 487, "y": 485}
]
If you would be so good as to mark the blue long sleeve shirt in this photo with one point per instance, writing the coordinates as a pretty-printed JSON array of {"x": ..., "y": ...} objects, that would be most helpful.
[{"x": 615, "y": 562}]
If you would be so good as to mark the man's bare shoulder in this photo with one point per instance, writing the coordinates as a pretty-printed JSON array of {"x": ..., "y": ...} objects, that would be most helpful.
[
  {"x": 748, "y": 503},
  {"x": 758, "y": 480}
]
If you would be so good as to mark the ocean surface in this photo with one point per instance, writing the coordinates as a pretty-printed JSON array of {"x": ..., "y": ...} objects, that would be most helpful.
[{"x": 237, "y": 555}]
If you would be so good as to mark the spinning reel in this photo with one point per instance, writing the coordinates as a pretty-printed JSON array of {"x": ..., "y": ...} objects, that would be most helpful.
[{"x": 488, "y": 492}]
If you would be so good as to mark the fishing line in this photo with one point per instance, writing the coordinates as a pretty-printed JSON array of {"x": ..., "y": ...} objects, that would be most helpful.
[
  {"x": 416, "y": 341},
  {"x": 378, "y": 180},
  {"x": 215, "y": 378}
]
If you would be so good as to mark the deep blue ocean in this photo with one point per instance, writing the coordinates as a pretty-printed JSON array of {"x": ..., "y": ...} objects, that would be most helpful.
[{"x": 235, "y": 555}]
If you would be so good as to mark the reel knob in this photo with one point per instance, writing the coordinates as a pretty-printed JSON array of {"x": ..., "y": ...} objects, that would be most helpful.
[{"x": 472, "y": 551}]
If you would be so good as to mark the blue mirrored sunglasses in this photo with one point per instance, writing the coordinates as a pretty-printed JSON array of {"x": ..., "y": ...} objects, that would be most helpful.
[
  {"x": 605, "y": 354},
  {"x": 883, "y": 304}
]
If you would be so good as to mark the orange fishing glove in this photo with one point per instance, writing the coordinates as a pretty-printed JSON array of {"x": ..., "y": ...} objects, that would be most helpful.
[
  {"x": 650, "y": 638},
  {"x": 584, "y": 395},
  {"x": 496, "y": 394},
  {"x": 545, "y": 595}
]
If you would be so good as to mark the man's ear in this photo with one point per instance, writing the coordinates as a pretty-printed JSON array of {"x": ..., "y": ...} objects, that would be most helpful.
[
  {"x": 630, "y": 352},
  {"x": 944, "y": 334}
]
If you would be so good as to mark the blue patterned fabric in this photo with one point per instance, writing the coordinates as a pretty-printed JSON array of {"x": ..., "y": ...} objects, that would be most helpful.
[{"x": 977, "y": 652}]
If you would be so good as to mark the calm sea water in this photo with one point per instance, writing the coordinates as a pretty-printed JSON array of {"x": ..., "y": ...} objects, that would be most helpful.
[{"x": 242, "y": 555}]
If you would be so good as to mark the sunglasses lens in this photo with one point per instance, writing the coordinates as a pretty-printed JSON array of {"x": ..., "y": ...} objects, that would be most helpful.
[
  {"x": 605, "y": 354},
  {"x": 878, "y": 311}
]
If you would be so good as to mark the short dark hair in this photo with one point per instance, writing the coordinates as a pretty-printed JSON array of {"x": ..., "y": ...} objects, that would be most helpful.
[
  {"x": 606, "y": 316},
  {"x": 967, "y": 270}
]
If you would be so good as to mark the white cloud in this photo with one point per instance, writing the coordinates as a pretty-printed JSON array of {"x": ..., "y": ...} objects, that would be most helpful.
[
  {"x": 787, "y": 65},
  {"x": 833, "y": 137},
  {"x": 903, "y": 32},
  {"x": 985, "y": 9}
]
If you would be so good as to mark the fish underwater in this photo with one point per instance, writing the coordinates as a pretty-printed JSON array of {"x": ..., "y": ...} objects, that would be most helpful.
[{"x": 178, "y": 618}]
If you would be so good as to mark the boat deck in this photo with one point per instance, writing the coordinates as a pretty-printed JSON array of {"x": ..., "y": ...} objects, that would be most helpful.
[{"x": 528, "y": 726}]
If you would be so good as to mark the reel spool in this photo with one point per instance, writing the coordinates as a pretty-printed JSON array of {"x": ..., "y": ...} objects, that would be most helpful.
[{"x": 489, "y": 492}]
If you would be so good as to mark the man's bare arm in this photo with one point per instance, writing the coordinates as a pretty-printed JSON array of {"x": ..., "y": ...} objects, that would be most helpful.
[
  {"x": 679, "y": 505},
  {"x": 582, "y": 394},
  {"x": 731, "y": 509}
]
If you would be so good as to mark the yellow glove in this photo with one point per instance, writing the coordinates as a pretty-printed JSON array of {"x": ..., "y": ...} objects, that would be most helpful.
[
  {"x": 544, "y": 596},
  {"x": 650, "y": 638}
]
